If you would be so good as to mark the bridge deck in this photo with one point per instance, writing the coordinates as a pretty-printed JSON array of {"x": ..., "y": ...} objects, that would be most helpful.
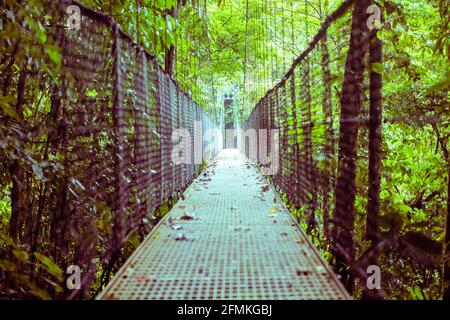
[{"x": 228, "y": 239}]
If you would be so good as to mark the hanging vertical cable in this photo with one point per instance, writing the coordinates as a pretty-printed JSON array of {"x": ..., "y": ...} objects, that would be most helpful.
[
  {"x": 245, "y": 62},
  {"x": 271, "y": 41},
  {"x": 275, "y": 34},
  {"x": 266, "y": 41},
  {"x": 257, "y": 50},
  {"x": 155, "y": 34},
  {"x": 292, "y": 25},
  {"x": 138, "y": 40},
  {"x": 283, "y": 38}
]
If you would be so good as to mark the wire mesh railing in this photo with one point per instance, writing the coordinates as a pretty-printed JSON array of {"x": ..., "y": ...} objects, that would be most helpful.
[
  {"x": 297, "y": 125},
  {"x": 109, "y": 131},
  {"x": 339, "y": 157}
]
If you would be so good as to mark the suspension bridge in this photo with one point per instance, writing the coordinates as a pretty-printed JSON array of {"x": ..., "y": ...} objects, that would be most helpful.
[
  {"x": 230, "y": 238},
  {"x": 230, "y": 234}
]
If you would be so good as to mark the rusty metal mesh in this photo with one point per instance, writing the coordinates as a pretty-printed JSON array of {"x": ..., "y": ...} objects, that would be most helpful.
[
  {"x": 324, "y": 122},
  {"x": 305, "y": 113},
  {"x": 110, "y": 127},
  {"x": 290, "y": 109},
  {"x": 129, "y": 121},
  {"x": 241, "y": 245}
]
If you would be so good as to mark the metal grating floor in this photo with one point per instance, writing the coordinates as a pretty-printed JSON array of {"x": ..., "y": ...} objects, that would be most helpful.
[{"x": 237, "y": 242}]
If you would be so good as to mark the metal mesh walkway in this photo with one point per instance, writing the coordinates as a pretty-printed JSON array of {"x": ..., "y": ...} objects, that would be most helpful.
[{"x": 230, "y": 238}]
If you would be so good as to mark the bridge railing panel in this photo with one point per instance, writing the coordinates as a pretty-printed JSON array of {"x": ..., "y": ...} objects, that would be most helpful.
[
  {"x": 304, "y": 107},
  {"x": 106, "y": 127}
]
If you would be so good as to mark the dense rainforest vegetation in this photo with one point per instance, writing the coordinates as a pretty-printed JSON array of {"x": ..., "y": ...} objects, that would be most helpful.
[{"x": 209, "y": 47}]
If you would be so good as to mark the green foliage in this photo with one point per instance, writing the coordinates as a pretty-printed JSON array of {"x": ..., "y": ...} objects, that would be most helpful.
[
  {"x": 215, "y": 48},
  {"x": 40, "y": 279}
]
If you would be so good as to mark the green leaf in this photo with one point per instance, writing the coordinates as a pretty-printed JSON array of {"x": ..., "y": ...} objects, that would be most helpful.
[
  {"x": 21, "y": 255},
  {"x": 377, "y": 23},
  {"x": 443, "y": 85},
  {"x": 8, "y": 240},
  {"x": 6, "y": 103},
  {"x": 377, "y": 67},
  {"x": 6, "y": 265},
  {"x": 53, "y": 53},
  {"x": 51, "y": 267},
  {"x": 91, "y": 93},
  {"x": 412, "y": 293},
  {"x": 418, "y": 293}
]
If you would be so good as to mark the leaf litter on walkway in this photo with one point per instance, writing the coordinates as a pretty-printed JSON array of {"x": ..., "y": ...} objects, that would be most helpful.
[
  {"x": 242, "y": 228},
  {"x": 176, "y": 226},
  {"x": 273, "y": 212},
  {"x": 181, "y": 237},
  {"x": 188, "y": 216}
]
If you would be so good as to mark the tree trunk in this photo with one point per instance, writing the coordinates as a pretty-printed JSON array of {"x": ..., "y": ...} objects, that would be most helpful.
[
  {"x": 442, "y": 142},
  {"x": 375, "y": 139},
  {"x": 169, "y": 61},
  {"x": 17, "y": 175},
  {"x": 344, "y": 212},
  {"x": 328, "y": 120},
  {"x": 446, "y": 257},
  {"x": 446, "y": 275},
  {"x": 375, "y": 153}
]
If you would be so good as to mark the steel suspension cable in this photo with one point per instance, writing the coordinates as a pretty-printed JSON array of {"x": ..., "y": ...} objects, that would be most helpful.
[
  {"x": 165, "y": 25},
  {"x": 138, "y": 40},
  {"x": 258, "y": 49},
  {"x": 283, "y": 35},
  {"x": 179, "y": 60},
  {"x": 245, "y": 61},
  {"x": 271, "y": 41},
  {"x": 292, "y": 24},
  {"x": 212, "y": 93},
  {"x": 260, "y": 78},
  {"x": 175, "y": 72},
  {"x": 275, "y": 36},
  {"x": 266, "y": 50},
  {"x": 154, "y": 30},
  {"x": 254, "y": 50}
]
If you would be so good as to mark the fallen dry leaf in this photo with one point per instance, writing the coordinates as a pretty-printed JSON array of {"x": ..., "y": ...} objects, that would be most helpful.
[
  {"x": 242, "y": 229},
  {"x": 188, "y": 216},
  {"x": 303, "y": 271},
  {"x": 176, "y": 226},
  {"x": 181, "y": 237}
]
